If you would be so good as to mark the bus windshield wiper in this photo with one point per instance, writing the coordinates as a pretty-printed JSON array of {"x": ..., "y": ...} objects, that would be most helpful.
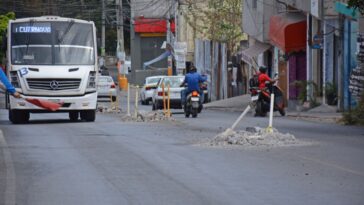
[
  {"x": 69, "y": 26},
  {"x": 31, "y": 22}
]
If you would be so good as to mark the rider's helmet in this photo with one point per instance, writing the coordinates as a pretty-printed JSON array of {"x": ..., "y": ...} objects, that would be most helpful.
[
  {"x": 262, "y": 69},
  {"x": 193, "y": 69}
]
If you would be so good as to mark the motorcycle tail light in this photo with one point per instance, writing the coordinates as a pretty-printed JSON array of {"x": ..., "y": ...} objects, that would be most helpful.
[{"x": 194, "y": 93}]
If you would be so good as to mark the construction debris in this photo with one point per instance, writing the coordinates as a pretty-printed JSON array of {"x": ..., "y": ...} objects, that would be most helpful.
[
  {"x": 253, "y": 137},
  {"x": 144, "y": 116},
  {"x": 107, "y": 109}
]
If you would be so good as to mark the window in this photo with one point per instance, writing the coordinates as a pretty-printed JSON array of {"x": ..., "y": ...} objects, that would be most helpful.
[{"x": 254, "y": 4}]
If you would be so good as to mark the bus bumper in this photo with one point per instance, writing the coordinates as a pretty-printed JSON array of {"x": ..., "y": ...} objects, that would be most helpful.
[{"x": 85, "y": 102}]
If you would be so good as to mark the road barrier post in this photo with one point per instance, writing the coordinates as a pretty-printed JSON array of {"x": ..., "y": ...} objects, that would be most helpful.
[
  {"x": 136, "y": 102},
  {"x": 164, "y": 99},
  {"x": 270, "y": 126},
  {"x": 169, "y": 103},
  {"x": 128, "y": 99},
  {"x": 240, "y": 117}
]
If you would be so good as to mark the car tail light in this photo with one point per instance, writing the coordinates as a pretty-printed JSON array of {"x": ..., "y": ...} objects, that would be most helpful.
[
  {"x": 148, "y": 88},
  {"x": 112, "y": 85},
  {"x": 194, "y": 93}
]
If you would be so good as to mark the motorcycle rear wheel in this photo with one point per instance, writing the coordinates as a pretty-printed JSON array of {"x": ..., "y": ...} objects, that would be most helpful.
[
  {"x": 194, "y": 113},
  {"x": 259, "y": 109},
  {"x": 282, "y": 112}
]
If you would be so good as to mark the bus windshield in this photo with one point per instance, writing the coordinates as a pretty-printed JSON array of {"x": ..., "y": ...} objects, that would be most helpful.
[{"x": 52, "y": 43}]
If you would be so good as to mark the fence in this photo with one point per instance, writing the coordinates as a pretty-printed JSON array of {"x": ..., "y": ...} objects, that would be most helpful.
[{"x": 211, "y": 59}]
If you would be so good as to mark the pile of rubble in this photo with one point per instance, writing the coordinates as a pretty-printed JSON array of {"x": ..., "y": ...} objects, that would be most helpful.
[
  {"x": 106, "y": 109},
  {"x": 254, "y": 136},
  {"x": 144, "y": 116}
]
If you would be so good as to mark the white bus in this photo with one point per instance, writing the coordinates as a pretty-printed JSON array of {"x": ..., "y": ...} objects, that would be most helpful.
[{"x": 52, "y": 58}]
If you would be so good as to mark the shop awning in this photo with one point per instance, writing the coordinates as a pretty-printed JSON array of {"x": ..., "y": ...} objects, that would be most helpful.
[
  {"x": 253, "y": 51},
  {"x": 288, "y": 31},
  {"x": 152, "y": 26}
]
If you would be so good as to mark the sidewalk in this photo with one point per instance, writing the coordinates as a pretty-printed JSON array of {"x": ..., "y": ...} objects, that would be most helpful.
[{"x": 238, "y": 104}]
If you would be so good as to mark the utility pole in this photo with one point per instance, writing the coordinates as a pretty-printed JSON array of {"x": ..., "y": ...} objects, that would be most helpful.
[
  {"x": 120, "y": 26},
  {"x": 103, "y": 29},
  {"x": 120, "y": 52},
  {"x": 169, "y": 70}
]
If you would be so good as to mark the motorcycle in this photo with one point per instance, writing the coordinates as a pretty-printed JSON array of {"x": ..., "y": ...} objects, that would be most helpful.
[
  {"x": 192, "y": 105},
  {"x": 261, "y": 99}
]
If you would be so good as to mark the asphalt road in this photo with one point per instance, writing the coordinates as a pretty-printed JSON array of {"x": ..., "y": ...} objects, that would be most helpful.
[{"x": 53, "y": 161}]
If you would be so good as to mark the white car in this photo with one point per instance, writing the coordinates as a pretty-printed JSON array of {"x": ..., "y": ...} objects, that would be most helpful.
[
  {"x": 106, "y": 89},
  {"x": 174, "y": 83},
  {"x": 150, "y": 84}
]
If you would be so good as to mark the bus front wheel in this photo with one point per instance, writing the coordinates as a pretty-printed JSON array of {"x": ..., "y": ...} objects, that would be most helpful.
[
  {"x": 88, "y": 115},
  {"x": 18, "y": 116}
]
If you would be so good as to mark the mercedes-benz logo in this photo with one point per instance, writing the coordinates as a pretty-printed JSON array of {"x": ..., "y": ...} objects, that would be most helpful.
[{"x": 54, "y": 84}]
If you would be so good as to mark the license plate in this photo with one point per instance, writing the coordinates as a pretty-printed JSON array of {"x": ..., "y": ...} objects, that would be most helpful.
[
  {"x": 103, "y": 87},
  {"x": 194, "y": 99},
  {"x": 254, "y": 98}
]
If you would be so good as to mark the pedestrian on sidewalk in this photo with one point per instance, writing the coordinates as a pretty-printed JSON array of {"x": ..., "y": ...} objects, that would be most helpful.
[{"x": 8, "y": 86}]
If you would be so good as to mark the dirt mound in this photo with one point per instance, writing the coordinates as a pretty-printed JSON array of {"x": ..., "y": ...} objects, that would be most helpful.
[
  {"x": 254, "y": 137},
  {"x": 143, "y": 116}
]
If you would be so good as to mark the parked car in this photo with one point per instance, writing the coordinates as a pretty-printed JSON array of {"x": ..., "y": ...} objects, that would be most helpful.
[
  {"x": 106, "y": 89},
  {"x": 147, "y": 91},
  {"x": 175, "y": 92}
]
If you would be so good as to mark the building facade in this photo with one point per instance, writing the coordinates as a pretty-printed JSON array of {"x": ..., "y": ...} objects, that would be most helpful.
[{"x": 311, "y": 41}]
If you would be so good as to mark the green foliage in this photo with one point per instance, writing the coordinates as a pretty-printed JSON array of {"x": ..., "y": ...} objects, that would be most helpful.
[
  {"x": 356, "y": 115},
  {"x": 4, "y": 20},
  {"x": 357, "y": 4},
  {"x": 331, "y": 93},
  {"x": 302, "y": 86},
  {"x": 217, "y": 20}
]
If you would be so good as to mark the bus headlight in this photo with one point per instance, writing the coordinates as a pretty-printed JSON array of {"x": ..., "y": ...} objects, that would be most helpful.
[
  {"x": 14, "y": 79},
  {"x": 91, "y": 83}
]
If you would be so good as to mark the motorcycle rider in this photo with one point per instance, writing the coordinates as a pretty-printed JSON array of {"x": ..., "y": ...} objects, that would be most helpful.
[
  {"x": 193, "y": 80},
  {"x": 263, "y": 77}
]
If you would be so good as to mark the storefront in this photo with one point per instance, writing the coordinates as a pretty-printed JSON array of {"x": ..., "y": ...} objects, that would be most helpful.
[{"x": 287, "y": 32}]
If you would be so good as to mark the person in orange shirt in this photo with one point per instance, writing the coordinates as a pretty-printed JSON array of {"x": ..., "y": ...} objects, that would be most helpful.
[{"x": 263, "y": 77}]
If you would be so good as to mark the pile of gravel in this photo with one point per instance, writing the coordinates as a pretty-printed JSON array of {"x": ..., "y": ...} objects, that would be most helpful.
[
  {"x": 253, "y": 137},
  {"x": 144, "y": 116},
  {"x": 106, "y": 109}
]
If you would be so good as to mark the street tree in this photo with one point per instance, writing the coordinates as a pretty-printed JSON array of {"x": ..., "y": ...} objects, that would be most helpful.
[
  {"x": 357, "y": 4},
  {"x": 4, "y": 20},
  {"x": 217, "y": 20}
]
